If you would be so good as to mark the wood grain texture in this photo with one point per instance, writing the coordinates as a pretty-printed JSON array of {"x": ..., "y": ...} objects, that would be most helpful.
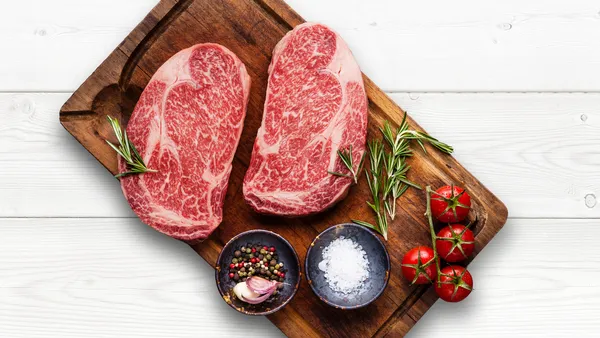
[
  {"x": 469, "y": 45},
  {"x": 49, "y": 39},
  {"x": 546, "y": 144},
  {"x": 526, "y": 287},
  {"x": 109, "y": 278},
  {"x": 466, "y": 45},
  {"x": 251, "y": 29},
  {"x": 521, "y": 290},
  {"x": 118, "y": 278},
  {"x": 532, "y": 143}
]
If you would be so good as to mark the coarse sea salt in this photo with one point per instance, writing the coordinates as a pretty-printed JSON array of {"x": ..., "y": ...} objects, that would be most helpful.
[{"x": 345, "y": 265}]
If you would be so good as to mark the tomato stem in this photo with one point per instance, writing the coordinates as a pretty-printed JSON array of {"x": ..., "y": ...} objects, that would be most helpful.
[{"x": 428, "y": 191}]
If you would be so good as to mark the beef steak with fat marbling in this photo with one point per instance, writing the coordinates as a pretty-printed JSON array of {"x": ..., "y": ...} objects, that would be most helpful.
[
  {"x": 187, "y": 125},
  {"x": 315, "y": 105}
]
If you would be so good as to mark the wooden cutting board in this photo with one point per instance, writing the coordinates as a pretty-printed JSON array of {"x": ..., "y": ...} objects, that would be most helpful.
[{"x": 251, "y": 28}]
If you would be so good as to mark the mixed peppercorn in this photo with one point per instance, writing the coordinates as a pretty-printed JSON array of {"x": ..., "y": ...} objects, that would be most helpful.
[{"x": 256, "y": 260}]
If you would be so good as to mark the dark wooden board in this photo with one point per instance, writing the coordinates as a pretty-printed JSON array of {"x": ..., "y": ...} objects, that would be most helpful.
[{"x": 251, "y": 28}]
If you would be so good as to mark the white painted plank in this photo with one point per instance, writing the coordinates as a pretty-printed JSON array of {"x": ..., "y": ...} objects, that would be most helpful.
[
  {"x": 469, "y": 45},
  {"x": 55, "y": 45},
  {"x": 537, "y": 278},
  {"x": 463, "y": 45},
  {"x": 109, "y": 278},
  {"x": 117, "y": 277},
  {"x": 534, "y": 151},
  {"x": 538, "y": 152},
  {"x": 44, "y": 171}
]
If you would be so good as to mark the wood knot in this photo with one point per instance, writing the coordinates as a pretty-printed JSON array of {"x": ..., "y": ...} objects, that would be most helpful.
[
  {"x": 40, "y": 32},
  {"x": 590, "y": 200}
]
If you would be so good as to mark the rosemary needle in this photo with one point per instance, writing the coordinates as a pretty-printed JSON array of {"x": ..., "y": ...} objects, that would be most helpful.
[
  {"x": 347, "y": 159},
  {"x": 126, "y": 149}
]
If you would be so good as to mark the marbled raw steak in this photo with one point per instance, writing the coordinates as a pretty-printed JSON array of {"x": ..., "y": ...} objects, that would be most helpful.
[
  {"x": 315, "y": 105},
  {"x": 187, "y": 125}
]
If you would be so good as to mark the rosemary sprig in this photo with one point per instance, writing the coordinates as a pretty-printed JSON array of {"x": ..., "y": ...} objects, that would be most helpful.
[
  {"x": 396, "y": 182},
  {"x": 387, "y": 178},
  {"x": 127, "y": 151},
  {"x": 375, "y": 181},
  {"x": 399, "y": 142},
  {"x": 347, "y": 159},
  {"x": 403, "y": 133}
]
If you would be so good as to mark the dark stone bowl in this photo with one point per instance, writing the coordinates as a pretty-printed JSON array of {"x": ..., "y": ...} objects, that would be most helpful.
[
  {"x": 287, "y": 255},
  {"x": 379, "y": 266}
]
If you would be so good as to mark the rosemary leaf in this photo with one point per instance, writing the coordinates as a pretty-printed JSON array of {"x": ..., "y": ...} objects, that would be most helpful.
[
  {"x": 347, "y": 158},
  {"x": 127, "y": 151},
  {"x": 335, "y": 173},
  {"x": 422, "y": 145},
  {"x": 374, "y": 207},
  {"x": 410, "y": 183},
  {"x": 366, "y": 224}
]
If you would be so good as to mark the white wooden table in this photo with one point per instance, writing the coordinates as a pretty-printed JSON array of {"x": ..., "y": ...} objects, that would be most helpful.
[{"x": 513, "y": 85}]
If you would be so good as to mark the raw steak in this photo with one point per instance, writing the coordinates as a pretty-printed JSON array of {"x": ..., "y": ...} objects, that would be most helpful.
[
  {"x": 187, "y": 125},
  {"x": 315, "y": 105}
]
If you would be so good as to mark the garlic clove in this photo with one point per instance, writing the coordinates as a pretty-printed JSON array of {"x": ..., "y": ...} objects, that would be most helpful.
[{"x": 242, "y": 291}]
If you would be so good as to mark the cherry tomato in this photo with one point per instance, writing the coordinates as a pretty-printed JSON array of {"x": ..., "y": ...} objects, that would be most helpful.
[
  {"x": 455, "y": 243},
  {"x": 418, "y": 265},
  {"x": 456, "y": 283},
  {"x": 450, "y": 204}
]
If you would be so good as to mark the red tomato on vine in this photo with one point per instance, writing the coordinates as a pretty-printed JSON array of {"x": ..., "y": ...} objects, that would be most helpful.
[
  {"x": 418, "y": 265},
  {"x": 455, "y": 243},
  {"x": 456, "y": 283},
  {"x": 450, "y": 204}
]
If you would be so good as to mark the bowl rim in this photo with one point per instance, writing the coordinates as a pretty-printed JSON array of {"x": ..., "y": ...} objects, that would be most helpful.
[
  {"x": 218, "y": 268},
  {"x": 387, "y": 259}
]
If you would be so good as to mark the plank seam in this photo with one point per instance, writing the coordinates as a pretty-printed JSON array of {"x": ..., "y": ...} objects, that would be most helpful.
[
  {"x": 406, "y": 305},
  {"x": 273, "y": 14}
]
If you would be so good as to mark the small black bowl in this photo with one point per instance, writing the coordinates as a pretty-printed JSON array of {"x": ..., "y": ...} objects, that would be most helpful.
[
  {"x": 286, "y": 254},
  {"x": 379, "y": 266}
]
